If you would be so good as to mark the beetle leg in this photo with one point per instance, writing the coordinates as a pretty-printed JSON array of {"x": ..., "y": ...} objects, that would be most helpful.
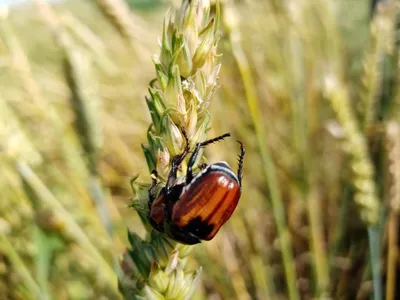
[
  {"x": 176, "y": 162},
  {"x": 240, "y": 163},
  {"x": 192, "y": 159}
]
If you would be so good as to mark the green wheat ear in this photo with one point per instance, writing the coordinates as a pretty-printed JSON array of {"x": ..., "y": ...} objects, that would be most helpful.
[{"x": 186, "y": 79}]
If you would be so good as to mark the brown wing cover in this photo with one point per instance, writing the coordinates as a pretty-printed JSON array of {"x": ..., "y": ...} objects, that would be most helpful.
[
  {"x": 157, "y": 210},
  {"x": 208, "y": 203}
]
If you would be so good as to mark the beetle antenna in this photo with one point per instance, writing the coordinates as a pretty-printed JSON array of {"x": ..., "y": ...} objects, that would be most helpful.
[
  {"x": 216, "y": 139},
  {"x": 240, "y": 163},
  {"x": 187, "y": 146},
  {"x": 192, "y": 159},
  {"x": 179, "y": 158}
]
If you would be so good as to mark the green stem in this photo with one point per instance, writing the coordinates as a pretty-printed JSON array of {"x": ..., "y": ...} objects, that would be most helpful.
[{"x": 375, "y": 253}]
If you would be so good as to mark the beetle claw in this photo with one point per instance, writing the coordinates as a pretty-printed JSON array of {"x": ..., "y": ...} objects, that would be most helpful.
[{"x": 202, "y": 166}]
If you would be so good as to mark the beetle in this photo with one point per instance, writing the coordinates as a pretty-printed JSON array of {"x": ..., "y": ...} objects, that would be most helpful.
[{"x": 194, "y": 207}]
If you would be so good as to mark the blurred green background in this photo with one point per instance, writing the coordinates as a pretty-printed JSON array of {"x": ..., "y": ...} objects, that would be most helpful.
[{"x": 309, "y": 86}]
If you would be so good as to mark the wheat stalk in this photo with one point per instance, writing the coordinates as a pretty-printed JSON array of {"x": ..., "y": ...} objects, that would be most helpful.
[{"x": 187, "y": 70}]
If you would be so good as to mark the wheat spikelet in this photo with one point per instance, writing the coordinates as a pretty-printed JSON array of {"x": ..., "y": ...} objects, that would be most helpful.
[{"x": 382, "y": 41}]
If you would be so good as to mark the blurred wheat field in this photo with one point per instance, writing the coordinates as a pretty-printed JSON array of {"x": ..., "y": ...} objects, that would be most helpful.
[{"x": 309, "y": 86}]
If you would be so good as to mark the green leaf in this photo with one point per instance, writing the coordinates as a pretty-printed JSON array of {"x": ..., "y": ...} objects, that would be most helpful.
[
  {"x": 150, "y": 159},
  {"x": 155, "y": 117}
]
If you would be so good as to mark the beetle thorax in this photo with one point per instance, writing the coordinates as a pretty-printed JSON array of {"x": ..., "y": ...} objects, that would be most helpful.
[{"x": 221, "y": 166}]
